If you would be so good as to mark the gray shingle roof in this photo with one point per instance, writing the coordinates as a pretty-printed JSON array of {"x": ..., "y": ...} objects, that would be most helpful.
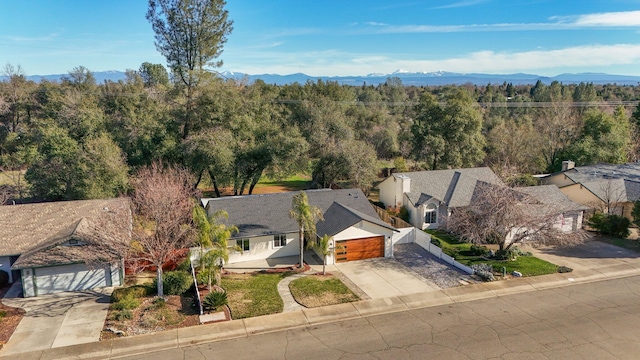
[
  {"x": 454, "y": 187},
  {"x": 551, "y": 195},
  {"x": 56, "y": 250},
  {"x": 590, "y": 173},
  {"x": 25, "y": 227},
  {"x": 268, "y": 214},
  {"x": 339, "y": 217}
]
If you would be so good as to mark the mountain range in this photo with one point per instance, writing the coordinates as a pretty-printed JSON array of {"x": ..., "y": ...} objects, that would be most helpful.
[{"x": 407, "y": 78}]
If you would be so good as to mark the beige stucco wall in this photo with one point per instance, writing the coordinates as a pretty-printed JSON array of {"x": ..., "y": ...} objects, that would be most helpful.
[
  {"x": 579, "y": 194},
  {"x": 559, "y": 180},
  {"x": 391, "y": 191}
]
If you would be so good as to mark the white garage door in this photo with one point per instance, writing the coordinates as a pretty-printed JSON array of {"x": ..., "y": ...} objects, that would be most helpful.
[{"x": 70, "y": 278}]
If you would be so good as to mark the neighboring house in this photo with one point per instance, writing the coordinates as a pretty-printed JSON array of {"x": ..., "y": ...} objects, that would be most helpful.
[
  {"x": 429, "y": 196},
  {"x": 266, "y": 230},
  {"x": 552, "y": 199},
  {"x": 46, "y": 245},
  {"x": 605, "y": 187}
]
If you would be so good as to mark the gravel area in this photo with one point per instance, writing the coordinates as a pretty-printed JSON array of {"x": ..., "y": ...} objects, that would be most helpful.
[{"x": 424, "y": 263}]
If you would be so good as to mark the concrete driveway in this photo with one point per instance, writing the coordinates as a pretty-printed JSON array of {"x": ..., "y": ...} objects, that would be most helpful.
[
  {"x": 57, "y": 320},
  {"x": 384, "y": 277},
  {"x": 591, "y": 255}
]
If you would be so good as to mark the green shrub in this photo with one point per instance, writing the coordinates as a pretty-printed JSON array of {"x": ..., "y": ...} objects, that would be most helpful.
[
  {"x": 123, "y": 315},
  {"x": 4, "y": 278},
  {"x": 175, "y": 282},
  {"x": 404, "y": 214},
  {"x": 436, "y": 242},
  {"x": 136, "y": 291},
  {"x": 478, "y": 250},
  {"x": 214, "y": 300},
  {"x": 128, "y": 302},
  {"x": 610, "y": 224},
  {"x": 202, "y": 278},
  {"x": 185, "y": 265},
  {"x": 3, "y": 314},
  {"x": 564, "y": 269},
  {"x": 379, "y": 204}
]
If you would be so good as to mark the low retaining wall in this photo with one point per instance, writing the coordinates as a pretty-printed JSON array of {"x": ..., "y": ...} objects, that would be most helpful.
[{"x": 413, "y": 235}]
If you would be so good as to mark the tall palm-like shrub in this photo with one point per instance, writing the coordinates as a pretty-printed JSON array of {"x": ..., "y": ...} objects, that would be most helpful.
[
  {"x": 306, "y": 216},
  {"x": 323, "y": 247},
  {"x": 212, "y": 240}
]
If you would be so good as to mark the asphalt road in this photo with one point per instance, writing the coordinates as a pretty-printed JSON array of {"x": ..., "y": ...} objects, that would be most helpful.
[{"x": 598, "y": 320}]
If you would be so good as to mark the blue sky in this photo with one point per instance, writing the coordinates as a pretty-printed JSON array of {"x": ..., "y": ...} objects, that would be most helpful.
[{"x": 345, "y": 37}]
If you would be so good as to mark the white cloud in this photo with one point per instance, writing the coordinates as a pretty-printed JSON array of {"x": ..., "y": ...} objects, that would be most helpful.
[
  {"x": 611, "y": 19},
  {"x": 460, "y": 4},
  {"x": 599, "y": 20},
  {"x": 591, "y": 58}
]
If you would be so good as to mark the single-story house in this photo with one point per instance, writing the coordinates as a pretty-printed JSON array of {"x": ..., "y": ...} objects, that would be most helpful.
[
  {"x": 60, "y": 246},
  {"x": 429, "y": 196},
  {"x": 550, "y": 198},
  {"x": 266, "y": 230},
  {"x": 611, "y": 188}
]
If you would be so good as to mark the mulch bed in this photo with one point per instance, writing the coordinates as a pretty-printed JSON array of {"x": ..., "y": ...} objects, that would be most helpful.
[
  {"x": 10, "y": 322},
  {"x": 176, "y": 304}
]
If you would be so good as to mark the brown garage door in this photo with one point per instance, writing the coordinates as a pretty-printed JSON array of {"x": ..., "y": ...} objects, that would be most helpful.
[{"x": 359, "y": 249}]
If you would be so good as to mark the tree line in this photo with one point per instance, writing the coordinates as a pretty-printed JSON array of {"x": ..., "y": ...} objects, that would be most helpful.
[{"x": 77, "y": 139}]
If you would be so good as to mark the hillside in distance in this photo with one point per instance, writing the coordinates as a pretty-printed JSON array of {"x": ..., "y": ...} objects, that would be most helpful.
[{"x": 407, "y": 78}]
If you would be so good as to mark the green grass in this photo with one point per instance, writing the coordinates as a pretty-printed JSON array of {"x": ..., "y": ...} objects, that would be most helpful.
[
  {"x": 252, "y": 295},
  {"x": 314, "y": 291},
  {"x": 527, "y": 265},
  {"x": 265, "y": 185}
]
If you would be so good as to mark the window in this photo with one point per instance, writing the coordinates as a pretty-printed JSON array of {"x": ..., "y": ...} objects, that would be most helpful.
[
  {"x": 243, "y": 244},
  {"x": 279, "y": 240},
  {"x": 431, "y": 214}
]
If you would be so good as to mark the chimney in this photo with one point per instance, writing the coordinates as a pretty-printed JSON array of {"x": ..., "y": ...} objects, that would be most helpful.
[
  {"x": 405, "y": 185},
  {"x": 568, "y": 164}
]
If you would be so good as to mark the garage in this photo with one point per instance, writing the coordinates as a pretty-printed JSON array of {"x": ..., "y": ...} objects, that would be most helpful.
[
  {"x": 360, "y": 249},
  {"x": 73, "y": 277}
]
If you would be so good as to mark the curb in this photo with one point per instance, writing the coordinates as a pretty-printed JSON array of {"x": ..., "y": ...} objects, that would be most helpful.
[{"x": 183, "y": 337}]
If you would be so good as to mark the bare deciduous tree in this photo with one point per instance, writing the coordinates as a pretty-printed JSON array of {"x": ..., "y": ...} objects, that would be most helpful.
[
  {"x": 162, "y": 205},
  {"x": 505, "y": 217}
]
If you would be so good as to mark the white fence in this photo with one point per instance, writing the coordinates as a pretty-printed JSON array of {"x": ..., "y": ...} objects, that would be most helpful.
[{"x": 413, "y": 235}]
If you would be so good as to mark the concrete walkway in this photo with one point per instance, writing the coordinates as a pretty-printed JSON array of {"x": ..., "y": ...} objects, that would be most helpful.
[{"x": 290, "y": 303}]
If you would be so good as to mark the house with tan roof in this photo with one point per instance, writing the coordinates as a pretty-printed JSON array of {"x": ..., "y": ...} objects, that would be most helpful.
[{"x": 63, "y": 246}]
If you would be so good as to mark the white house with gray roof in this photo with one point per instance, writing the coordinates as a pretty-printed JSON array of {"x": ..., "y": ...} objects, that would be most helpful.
[
  {"x": 266, "y": 230},
  {"x": 429, "y": 195}
]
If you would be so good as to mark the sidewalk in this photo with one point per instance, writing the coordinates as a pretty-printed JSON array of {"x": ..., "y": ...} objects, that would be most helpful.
[{"x": 307, "y": 317}]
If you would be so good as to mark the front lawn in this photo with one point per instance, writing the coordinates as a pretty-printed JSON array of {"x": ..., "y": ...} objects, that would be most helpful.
[
  {"x": 527, "y": 265},
  {"x": 318, "y": 290},
  {"x": 252, "y": 295}
]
